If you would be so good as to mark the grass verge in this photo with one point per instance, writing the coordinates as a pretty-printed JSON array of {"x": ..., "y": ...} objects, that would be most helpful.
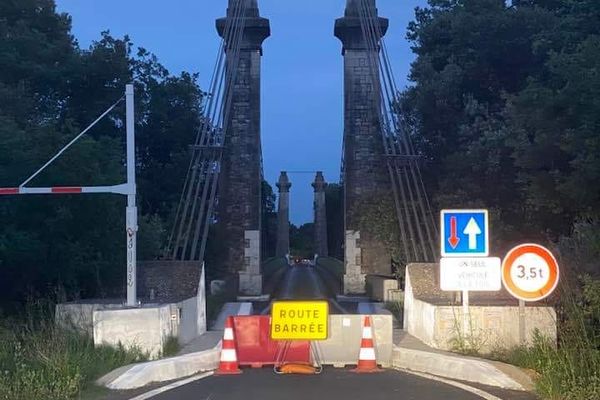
[
  {"x": 397, "y": 310},
  {"x": 42, "y": 361},
  {"x": 571, "y": 369}
]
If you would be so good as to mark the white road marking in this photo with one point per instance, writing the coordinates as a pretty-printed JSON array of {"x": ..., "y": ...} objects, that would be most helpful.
[
  {"x": 171, "y": 386},
  {"x": 467, "y": 388}
]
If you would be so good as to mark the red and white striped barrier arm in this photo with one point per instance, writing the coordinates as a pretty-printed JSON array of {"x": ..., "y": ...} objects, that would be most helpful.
[{"x": 124, "y": 189}]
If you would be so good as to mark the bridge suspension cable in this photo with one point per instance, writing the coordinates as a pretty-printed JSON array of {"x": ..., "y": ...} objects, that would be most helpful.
[
  {"x": 194, "y": 215},
  {"x": 418, "y": 230}
]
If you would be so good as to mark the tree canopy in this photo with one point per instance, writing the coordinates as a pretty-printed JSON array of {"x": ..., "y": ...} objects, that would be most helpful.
[
  {"x": 505, "y": 105},
  {"x": 50, "y": 89}
]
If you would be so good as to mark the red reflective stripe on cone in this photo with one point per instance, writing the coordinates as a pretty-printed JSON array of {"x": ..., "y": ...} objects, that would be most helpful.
[{"x": 366, "y": 343}]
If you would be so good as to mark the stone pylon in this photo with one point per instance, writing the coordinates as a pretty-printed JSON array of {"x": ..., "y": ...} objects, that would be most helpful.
[
  {"x": 283, "y": 216},
  {"x": 366, "y": 179},
  {"x": 319, "y": 185},
  {"x": 241, "y": 176}
]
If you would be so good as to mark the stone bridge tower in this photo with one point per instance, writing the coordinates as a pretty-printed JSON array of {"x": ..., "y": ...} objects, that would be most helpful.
[
  {"x": 241, "y": 174},
  {"x": 365, "y": 175},
  {"x": 283, "y": 216},
  {"x": 320, "y": 211}
]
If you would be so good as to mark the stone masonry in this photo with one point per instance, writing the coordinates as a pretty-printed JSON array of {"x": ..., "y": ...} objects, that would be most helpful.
[
  {"x": 240, "y": 185},
  {"x": 366, "y": 179},
  {"x": 319, "y": 185},
  {"x": 283, "y": 216}
]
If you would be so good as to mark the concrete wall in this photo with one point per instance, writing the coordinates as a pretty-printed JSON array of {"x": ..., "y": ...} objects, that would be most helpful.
[
  {"x": 419, "y": 316},
  {"x": 383, "y": 288},
  {"x": 345, "y": 332},
  {"x": 491, "y": 327},
  {"x": 193, "y": 315},
  {"x": 79, "y": 315},
  {"x": 144, "y": 328},
  {"x": 250, "y": 276}
]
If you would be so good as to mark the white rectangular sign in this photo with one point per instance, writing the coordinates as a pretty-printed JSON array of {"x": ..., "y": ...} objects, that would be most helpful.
[{"x": 475, "y": 273}]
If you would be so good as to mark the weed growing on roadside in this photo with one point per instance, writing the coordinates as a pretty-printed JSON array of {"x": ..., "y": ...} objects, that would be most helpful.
[{"x": 41, "y": 361}]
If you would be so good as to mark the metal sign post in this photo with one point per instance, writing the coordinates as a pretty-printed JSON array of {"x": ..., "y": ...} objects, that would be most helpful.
[
  {"x": 465, "y": 265},
  {"x": 131, "y": 211},
  {"x": 530, "y": 273},
  {"x": 522, "y": 328},
  {"x": 127, "y": 189},
  {"x": 465, "y": 307}
]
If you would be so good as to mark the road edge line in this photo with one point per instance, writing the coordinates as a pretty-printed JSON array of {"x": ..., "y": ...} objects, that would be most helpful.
[
  {"x": 481, "y": 393},
  {"x": 171, "y": 386}
]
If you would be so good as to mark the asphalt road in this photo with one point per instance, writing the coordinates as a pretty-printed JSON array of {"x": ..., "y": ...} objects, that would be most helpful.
[
  {"x": 332, "y": 384},
  {"x": 302, "y": 282}
]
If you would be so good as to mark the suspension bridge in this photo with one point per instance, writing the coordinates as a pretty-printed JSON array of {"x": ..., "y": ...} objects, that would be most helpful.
[
  {"x": 223, "y": 184},
  {"x": 223, "y": 192}
]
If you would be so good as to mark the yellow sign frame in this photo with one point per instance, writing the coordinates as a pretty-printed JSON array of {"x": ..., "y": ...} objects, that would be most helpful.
[{"x": 300, "y": 320}]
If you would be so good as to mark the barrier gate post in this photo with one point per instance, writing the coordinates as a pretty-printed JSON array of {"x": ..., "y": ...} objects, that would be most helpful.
[{"x": 126, "y": 189}]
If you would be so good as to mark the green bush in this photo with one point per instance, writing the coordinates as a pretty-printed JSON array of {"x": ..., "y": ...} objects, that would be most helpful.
[
  {"x": 568, "y": 372},
  {"x": 397, "y": 309},
  {"x": 170, "y": 348},
  {"x": 42, "y": 361},
  {"x": 571, "y": 370}
]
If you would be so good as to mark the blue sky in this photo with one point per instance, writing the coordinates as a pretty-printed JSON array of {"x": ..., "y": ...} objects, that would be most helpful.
[{"x": 302, "y": 81}]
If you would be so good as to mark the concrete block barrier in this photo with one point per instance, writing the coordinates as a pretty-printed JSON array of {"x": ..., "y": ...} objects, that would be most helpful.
[
  {"x": 345, "y": 334},
  {"x": 462, "y": 368},
  {"x": 139, "y": 375}
]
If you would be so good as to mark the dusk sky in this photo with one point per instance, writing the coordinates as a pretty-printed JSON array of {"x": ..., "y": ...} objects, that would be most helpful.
[{"x": 302, "y": 80}]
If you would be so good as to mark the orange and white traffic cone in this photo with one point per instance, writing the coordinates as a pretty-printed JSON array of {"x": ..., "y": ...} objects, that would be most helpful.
[
  {"x": 367, "y": 362},
  {"x": 229, "y": 361}
]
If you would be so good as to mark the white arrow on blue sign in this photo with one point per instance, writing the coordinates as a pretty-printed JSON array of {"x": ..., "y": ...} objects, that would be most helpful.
[{"x": 464, "y": 233}]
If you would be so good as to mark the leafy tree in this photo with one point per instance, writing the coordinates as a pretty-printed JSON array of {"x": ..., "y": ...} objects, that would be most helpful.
[
  {"x": 50, "y": 90},
  {"x": 504, "y": 109},
  {"x": 555, "y": 125},
  {"x": 302, "y": 240}
]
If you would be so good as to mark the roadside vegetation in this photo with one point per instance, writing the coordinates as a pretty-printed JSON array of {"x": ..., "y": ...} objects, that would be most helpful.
[
  {"x": 503, "y": 105},
  {"x": 569, "y": 369},
  {"x": 170, "y": 348},
  {"x": 41, "y": 361},
  {"x": 397, "y": 310}
]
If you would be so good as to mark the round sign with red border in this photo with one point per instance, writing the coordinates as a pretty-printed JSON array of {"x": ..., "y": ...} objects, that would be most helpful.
[{"x": 530, "y": 272}]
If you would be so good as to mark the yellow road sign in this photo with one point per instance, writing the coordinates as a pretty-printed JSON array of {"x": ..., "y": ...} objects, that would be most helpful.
[{"x": 299, "y": 320}]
